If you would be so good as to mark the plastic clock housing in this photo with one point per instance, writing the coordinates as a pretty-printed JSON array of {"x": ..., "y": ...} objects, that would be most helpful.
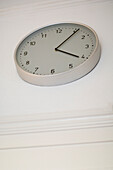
[{"x": 57, "y": 54}]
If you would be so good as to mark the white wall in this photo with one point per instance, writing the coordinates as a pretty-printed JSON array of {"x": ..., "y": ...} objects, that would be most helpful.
[{"x": 89, "y": 99}]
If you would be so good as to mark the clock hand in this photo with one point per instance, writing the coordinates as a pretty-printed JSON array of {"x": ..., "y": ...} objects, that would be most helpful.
[
  {"x": 56, "y": 49},
  {"x": 67, "y": 38}
]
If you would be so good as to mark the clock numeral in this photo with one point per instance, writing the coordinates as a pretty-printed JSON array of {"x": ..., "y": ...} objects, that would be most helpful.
[
  {"x": 83, "y": 37},
  {"x": 36, "y": 68},
  {"x": 83, "y": 56},
  {"x": 59, "y": 30},
  {"x": 27, "y": 62},
  {"x": 25, "y": 53},
  {"x": 43, "y": 35},
  {"x": 52, "y": 71},
  {"x": 87, "y": 46},
  {"x": 70, "y": 65},
  {"x": 75, "y": 30},
  {"x": 32, "y": 43}
]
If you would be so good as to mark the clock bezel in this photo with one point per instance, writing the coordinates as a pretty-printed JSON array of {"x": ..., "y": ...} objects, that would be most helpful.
[{"x": 66, "y": 76}]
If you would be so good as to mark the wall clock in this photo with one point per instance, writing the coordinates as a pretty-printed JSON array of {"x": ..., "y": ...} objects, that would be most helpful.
[{"x": 57, "y": 54}]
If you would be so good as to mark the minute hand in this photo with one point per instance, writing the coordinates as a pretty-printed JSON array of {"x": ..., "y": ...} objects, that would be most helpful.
[{"x": 67, "y": 38}]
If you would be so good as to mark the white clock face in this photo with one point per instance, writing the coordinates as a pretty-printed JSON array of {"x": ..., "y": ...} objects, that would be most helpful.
[{"x": 55, "y": 49}]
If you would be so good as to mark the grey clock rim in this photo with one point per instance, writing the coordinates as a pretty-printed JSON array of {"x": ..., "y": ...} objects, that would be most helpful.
[{"x": 64, "y": 77}]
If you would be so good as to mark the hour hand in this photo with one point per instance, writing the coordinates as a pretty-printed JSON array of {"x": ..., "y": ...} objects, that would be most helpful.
[{"x": 65, "y": 52}]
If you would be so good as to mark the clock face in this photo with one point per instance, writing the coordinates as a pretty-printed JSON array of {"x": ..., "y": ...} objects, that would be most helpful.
[{"x": 56, "y": 49}]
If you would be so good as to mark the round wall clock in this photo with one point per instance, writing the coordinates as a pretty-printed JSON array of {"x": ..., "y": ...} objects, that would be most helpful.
[{"x": 57, "y": 54}]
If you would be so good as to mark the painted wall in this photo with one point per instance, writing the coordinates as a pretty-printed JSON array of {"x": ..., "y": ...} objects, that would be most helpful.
[{"x": 27, "y": 109}]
